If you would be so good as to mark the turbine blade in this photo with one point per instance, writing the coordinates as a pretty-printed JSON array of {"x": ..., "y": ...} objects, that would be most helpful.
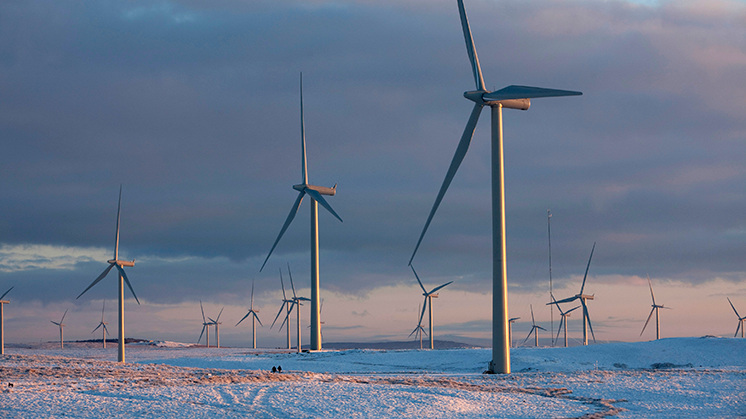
[
  {"x": 320, "y": 199},
  {"x": 203, "y": 312},
  {"x": 651, "y": 290},
  {"x": 529, "y": 335},
  {"x": 63, "y": 317},
  {"x": 6, "y": 292},
  {"x": 106, "y": 329},
  {"x": 282, "y": 284},
  {"x": 293, "y": 211},
  {"x": 204, "y": 326},
  {"x": 278, "y": 315},
  {"x": 252, "y": 293},
  {"x": 97, "y": 327},
  {"x": 102, "y": 311},
  {"x": 646, "y": 321},
  {"x": 562, "y": 320},
  {"x": 539, "y": 327},
  {"x": 129, "y": 285},
  {"x": 119, "y": 208},
  {"x": 527, "y": 92},
  {"x": 532, "y": 316},
  {"x": 470, "y": 48},
  {"x": 221, "y": 312},
  {"x": 566, "y": 300},
  {"x": 737, "y": 328},
  {"x": 442, "y": 286},
  {"x": 287, "y": 316},
  {"x": 573, "y": 309},
  {"x": 242, "y": 318},
  {"x": 587, "y": 267},
  {"x": 463, "y": 147},
  {"x": 590, "y": 326},
  {"x": 303, "y": 134},
  {"x": 291, "y": 281},
  {"x": 59, "y": 324},
  {"x": 424, "y": 307},
  {"x": 95, "y": 281},
  {"x": 734, "y": 308},
  {"x": 257, "y": 319},
  {"x": 418, "y": 279}
]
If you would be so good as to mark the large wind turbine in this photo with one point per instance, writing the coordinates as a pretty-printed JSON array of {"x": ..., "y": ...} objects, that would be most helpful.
[
  {"x": 205, "y": 326},
  {"x": 740, "y": 319},
  {"x": 297, "y": 307},
  {"x": 654, "y": 310},
  {"x": 534, "y": 329},
  {"x": 120, "y": 264},
  {"x": 428, "y": 299},
  {"x": 315, "y": 193},
  {"x": 216, "y": 322},
  {"x": 563, "y": 320},
  {"x": 582, "y": 297},
  {"x": 288, "y": 306},
  {"x": 105, "y": 331},
  {"x": 419, "y": 330},
  {"x": 254, "y": 317},
  {"x": 61, "y": 326},
  {"x": 512, "y": 97},
  {"x": 2, "y": 322}
]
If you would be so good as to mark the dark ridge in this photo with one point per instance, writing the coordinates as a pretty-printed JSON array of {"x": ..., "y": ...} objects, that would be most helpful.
[{"x": 439, "y": 344}]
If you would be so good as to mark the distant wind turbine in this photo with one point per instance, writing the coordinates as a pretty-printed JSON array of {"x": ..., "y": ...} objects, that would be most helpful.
[
  {"x": 740, "y": 319},
  {"x": 119, "y": 264},
  {"x": 297, "y": 307},
  {"x": 315, "y": 193},
  {"x": 428, "y": 299},
  {"x": 205, "y": 326},
  {"x": 254, "y": 317},
  {"x": 419, "y": 330},
  {"x": 216, "y": 322},
  {"x": 105, "y": 331},
  {"x": 2, "y": 321},
  {"x": 512, "y": 97},
  {"x": 534, "y": 329},
  {"x": 582, "y": 297},
  {"x": 563, "y": 320},
  {"x": 654, "y": 310},
  {"x": 61, "y": 326},
  {"x": 510, "y": 330},
  {"x": 288, "y": 306}
]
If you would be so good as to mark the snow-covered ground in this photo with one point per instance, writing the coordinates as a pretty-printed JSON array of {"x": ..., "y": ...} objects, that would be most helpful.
[{"x": 678, "y": 377}]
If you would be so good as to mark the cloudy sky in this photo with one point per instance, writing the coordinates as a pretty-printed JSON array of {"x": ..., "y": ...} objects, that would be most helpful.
[{"x": 193, "y": 106}]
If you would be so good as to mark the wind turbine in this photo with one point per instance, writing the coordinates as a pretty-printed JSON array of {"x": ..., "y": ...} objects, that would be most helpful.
[
  {"x": 740, "y": 320},
  {"x": 512, "y": 97},
  {"x": 105, "y": 331},
  {"x": 216, "y": 322},
  {"x": 61, "y": 326},
  {"x": 428, "y": 298},
  {"x": 205, "y": 326},
  {"x": 534, "y": 329},
  {"x": 510, "y": 329},
  {"x": 582, "y": 297},
  {"x": 2, "y": 321},
  {"x": 254, "y": 317},
  {"x": 120, "y": 264},
  {"x": 315, "y": 193},
  {"x": 297, "y": 306},
  {"x": 419, "y": 330},
  {"x": 288, "y": 306},
  {"x": 563, "y": 320},
  {"x": 655, "y": 309}
]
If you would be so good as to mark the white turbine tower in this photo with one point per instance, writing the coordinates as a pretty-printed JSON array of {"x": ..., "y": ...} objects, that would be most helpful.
[
  {"x": 254, "y": 318},
  {"x": 582, "y": 297},
  {"x": 119, "y": 264},
  {"x": 216, "y": 322},
  {"x": 288, "y": 306},
  {"x": 205, "y": 326},
  {"x": 655, "y": 309},
  {"x": 315, "y": 193},
  {"x": 740, "y": 319},
  {"x": 419, "y": 330},
  {"x": 563, "y": 320},
  {"x": 2, "y": 321},
  {"x": 61, "y": 326},
  {"x": 428, "y": 299},
  {"x": 512, "y": 97},
  {"x": 534, "y": 329},
  {"x": 298, "y": 303},
  {"x": 105, "y": 331}
]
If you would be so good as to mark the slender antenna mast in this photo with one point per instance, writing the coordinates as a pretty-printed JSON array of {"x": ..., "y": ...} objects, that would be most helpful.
[{"x": 551, "y": 295}]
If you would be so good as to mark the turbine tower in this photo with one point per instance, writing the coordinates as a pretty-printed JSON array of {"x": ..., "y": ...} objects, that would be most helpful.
[
  {"x": 428, "y": 299},
  {"x": 298, "y": 303},
  {"x": 105, "y": 331},
  {"x": 254, "y": 318},
  {"x": 120, "y": 264},
  {"x": 288, "y": 306},
  {"x": 205, "y": 326},
  {"x": 512, "y": 97},
  {"x": 654, "y": 310},
  {"x": 216, "y": 322},
  {"x": 2, "y": 321},
  {"x": 740, "y": 320},
  {"x": 583, "y": 298},
  {"x": 61, "y": 326},
  {"x": 316, "y": 195},
  {"x": 418, "y": 331},
  {"x": 563, "y": 320},
  {"x": 534, "y": 329}
]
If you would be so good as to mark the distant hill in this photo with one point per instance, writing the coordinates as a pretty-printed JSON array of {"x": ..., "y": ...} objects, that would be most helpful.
[{"x": 439, "y": 344}]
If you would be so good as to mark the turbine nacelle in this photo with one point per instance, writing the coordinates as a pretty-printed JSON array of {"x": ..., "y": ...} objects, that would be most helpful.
[
  {"x": 121, "y": 263},
  {"x": 320, "y": 189},
  {"x": 480, "y": 98},
  {"x": 585, "y": 297}
]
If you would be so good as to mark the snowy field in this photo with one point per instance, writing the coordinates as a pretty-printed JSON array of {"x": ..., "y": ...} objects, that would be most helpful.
[{"x": 669, "y": 378}]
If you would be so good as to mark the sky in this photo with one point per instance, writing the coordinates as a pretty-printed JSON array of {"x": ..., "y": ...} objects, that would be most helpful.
[{"x": 193, "y": 107}]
